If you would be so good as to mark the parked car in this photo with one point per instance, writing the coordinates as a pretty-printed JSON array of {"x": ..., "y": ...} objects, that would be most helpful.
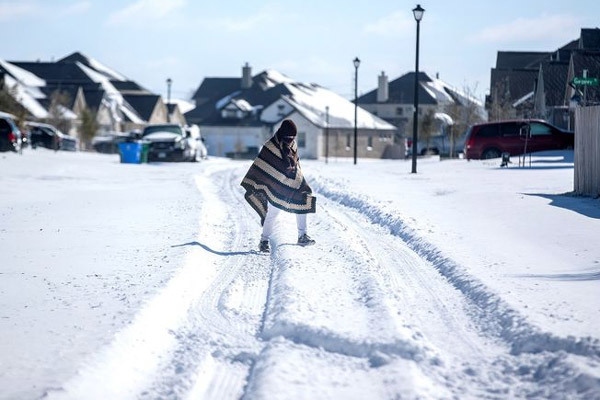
[
  {"x": 436, "y": 145},
  {"x": 48, "y": 136},
  {"x": 491, "y": 139},
  {"x": 10, "y": 134},
  {"x": 172, "y": 142}
]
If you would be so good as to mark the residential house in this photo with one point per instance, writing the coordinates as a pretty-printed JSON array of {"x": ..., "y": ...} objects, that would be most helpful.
[
  {"x": 540, "y": 84},
  {"x": 394, "y": 102},
  {"x": 237, "y": 115},
  {"x": 83, "y": 83}
]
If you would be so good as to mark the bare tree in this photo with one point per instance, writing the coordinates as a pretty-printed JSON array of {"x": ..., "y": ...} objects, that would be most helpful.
[
  {"x": 427, "y": 126},
  {"x": 59, "y": 103},
  {"x": 500, "y": 104},
  {"x": 464, "y": 113},
  {"x": 89, "y": 127}
]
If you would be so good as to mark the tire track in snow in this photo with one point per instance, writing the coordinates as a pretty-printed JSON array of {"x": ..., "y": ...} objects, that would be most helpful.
[
  {"x": 437, "y": 314},
  {"x": 537, "y": 362},
  {"x": 218, "y": 344},
  {"x": 499, "y": 317}
]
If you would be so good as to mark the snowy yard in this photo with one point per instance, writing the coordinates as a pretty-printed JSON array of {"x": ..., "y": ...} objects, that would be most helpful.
[{"x": 465, "y": 280}]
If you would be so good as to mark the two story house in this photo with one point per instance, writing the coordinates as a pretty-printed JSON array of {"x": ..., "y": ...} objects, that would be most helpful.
[{"x": 237, "y": 115}]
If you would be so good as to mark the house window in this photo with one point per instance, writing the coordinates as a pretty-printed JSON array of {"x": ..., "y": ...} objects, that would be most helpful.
[
  {"x": 370, "y": 143},
  {"x": 301, "y": 139},
  {"x": 348, "y": 142},
  {"x": 399, "y": 111}
]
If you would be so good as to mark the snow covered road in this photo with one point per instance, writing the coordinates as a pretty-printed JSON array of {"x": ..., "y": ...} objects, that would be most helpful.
[{"x": 372, "y": 311}]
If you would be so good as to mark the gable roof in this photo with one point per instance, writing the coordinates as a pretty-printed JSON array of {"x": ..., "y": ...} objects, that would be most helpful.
[
  {"x": 268, "y": 88},
  {"x": 144, "y": 104},
  {"x": 215, "y": 88},
  {"x": 89, "y": 62},
  {"x": 99, "y": 83},
  {"x": 432, "y": 91}
]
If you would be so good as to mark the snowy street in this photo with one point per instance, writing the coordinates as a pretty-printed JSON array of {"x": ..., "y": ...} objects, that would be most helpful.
[{"x": 465, "y": 280}]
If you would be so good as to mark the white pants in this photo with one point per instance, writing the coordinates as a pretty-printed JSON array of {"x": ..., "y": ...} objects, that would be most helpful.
[{"x": 270, "y": 218}]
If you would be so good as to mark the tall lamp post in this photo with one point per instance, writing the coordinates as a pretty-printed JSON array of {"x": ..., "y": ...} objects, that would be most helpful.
[
  {"x": 356, "y": 64},
  {"x": 418, "y": 13},
  {"x": 169, "y": 82}
]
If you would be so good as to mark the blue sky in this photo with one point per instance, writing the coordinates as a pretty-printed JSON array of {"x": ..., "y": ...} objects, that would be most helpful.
[{"x": 310, "y": 41}]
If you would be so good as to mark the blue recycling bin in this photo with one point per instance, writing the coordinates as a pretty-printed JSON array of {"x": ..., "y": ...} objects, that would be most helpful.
[{"x": 134, "y": 152}]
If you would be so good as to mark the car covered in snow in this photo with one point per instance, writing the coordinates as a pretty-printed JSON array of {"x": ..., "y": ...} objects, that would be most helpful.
[{"x": 172, "y": 142}]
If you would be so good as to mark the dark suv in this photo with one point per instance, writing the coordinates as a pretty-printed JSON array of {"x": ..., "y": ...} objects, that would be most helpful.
[
  {"x": 46, "y": 135},
  {"x": 10, "y": 135},
  {"x": 491, "y": 139}
]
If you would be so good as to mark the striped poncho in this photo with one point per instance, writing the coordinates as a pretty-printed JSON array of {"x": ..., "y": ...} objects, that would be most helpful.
[{"x": 266, "y": 182}]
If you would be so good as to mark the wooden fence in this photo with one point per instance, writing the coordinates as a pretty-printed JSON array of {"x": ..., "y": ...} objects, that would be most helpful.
[{"x": 587, "y": 151}]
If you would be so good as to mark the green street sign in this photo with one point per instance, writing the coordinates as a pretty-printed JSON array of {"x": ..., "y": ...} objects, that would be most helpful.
[{"x": 585, "y": 81}]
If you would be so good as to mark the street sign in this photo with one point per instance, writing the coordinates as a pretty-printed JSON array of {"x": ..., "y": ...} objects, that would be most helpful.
[{"x": 585, "y": 81}]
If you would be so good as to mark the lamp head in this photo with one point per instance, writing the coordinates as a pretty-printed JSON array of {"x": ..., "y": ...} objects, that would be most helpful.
[
  {"x": 418, "y": 12},
  {"x": 356, "y": 62}
]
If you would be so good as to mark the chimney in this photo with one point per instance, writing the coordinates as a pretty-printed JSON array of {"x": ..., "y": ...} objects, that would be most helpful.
[
  {"x": 382, "y": 88},
  {"x": 246, "y": 76}
]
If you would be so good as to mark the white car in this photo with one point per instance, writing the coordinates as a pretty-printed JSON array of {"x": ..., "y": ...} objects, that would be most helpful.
[{"x": 172, "y": 142}]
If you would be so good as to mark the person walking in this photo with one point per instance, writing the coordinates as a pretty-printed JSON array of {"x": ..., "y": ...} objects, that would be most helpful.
[{"x": 274, "y": 182}]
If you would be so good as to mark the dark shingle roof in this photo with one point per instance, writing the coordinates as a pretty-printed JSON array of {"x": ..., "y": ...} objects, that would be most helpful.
[
  {"x": 216, "y": 88},
  {"x": 144, "y": 104},
  {"x": 261, "y": 93},
  {"x": 590, "y": 39},
  {"x": 520, "y": 59},
  {"x": 93, "y": 98},
  {"x": 401, "y": 91},
  {"x": 56, "y": 73},
  {"x": 128, "y": 86},
  {"x": 515, "y": 83},
  {"x": 555, "y": 82}
]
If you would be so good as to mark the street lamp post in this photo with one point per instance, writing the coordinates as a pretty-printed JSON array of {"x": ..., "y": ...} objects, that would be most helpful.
[
  {"x": 356, "y": 64},
  {"x": 418, "y": 14},
  {"x": 169, "y": 82}
]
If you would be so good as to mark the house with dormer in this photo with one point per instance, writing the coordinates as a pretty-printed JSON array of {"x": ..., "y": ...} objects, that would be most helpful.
[
  {"x": 393, "y": 101},
  {"x": 237, "y": 115}
]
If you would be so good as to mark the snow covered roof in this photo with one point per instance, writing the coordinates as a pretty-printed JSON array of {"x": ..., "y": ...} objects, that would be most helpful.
[
  {"x": 320, "y": 105},
  {"x": 95, "y": 65},
  {"x": 26, "y": 87},
  {"x": 269, "y": 87},
  {"x": 432, "y": 91}
]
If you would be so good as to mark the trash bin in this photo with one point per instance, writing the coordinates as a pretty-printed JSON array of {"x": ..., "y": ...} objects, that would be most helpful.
[
  {"x": 132, "y": 152},
  {"x": 145, "y": 151}
]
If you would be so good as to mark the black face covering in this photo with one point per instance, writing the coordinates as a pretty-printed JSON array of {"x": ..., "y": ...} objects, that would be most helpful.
[{"x": 288, "y": 139}]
